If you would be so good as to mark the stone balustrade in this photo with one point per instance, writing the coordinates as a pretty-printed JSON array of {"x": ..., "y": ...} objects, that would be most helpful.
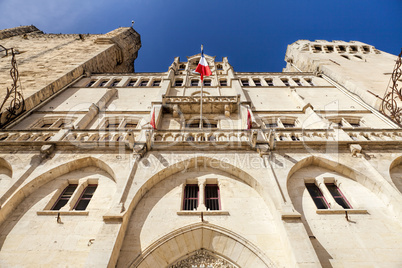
[
  {"x": 206, "y": 135},
  {"x": 99, "y": 135},
  {"x": 26, "y": 136},
  {"x": 196, "y": 99}
]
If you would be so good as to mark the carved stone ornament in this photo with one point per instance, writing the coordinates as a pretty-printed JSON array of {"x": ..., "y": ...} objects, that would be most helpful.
[{"x": 203, "y": 259}]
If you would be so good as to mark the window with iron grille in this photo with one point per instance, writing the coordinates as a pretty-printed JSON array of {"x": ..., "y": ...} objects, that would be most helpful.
[
  {"x": 286, "y": 82},
  {"x": 297, "y": 81},
  {"x": 223, "y": 83},
  {"x": 190, "y": 200},
  {"x": 103, "y": 83},
  {"x": 338, "y": 196},
  {"x": 131, "y": 83},
  {"x": 90, "y": 84},
  {"x": 114, "y": 83},
  {"x": 207, "y": 83},
  {"x": 257, "y": 82},
  {"x": 194, "y": 83},
  {"x": 144, "y": 83},
  {"x": 212, "y": 201},
  {"x": 178, "y": 83},
  {"x": 317, "y": 196},
  {"x": 245, "y": 82},
  {"x": 270, "y": 82},
  {"x": 85, "y": 197},
  {"x": 64, "y": 197}
]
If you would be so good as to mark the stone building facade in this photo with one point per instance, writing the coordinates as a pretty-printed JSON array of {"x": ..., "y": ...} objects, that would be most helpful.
[{"x": 286, "y": 169}]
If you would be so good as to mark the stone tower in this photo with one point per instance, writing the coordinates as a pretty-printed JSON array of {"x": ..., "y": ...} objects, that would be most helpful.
[{"x": 49, "y": 62}]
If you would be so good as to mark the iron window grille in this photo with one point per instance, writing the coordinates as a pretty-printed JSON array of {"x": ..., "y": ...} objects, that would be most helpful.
[
  {"x": 64, "y": 197},
  {"x": 317, "y": 196},
  {"x": 85, "y": 197},
  {"x": 212, "y": 197},
  {"x": 338, "y": 196},
  {"x": 190, "y": 200}
]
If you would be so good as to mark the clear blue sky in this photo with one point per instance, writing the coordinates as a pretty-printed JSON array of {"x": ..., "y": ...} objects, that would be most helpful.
[{"x": 252, "y": 34}]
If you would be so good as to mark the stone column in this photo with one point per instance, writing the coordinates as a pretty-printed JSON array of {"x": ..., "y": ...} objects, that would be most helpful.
[
  {"x": 201, "y": 197},
  {"x": 328, "y": 196}
]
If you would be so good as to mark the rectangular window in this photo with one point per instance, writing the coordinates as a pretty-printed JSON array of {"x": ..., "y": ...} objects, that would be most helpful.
[
  {"x": 86, "y": 196},
  {"x": 178, "y": 83},
  {"x": 285, "y": 82},
  {"x": 212, "y": 197},
  {"x": 190, "y": 200},
  {"x": 308, "y": 80},
  {"x": 257, "y": 82},
  {"x": 114, "y": 83},
  {"x": 356, "y": 124},
  {"x": 64, "y": 197},
  {"x": 271, "y": 125},
  {"x": 112, "y": 125},
  {"x": 223, "y": 83},
  {"x": 130, "y": 125},
  {"x": 338, "y": 196},
  {"x": 194, "y": 83},
  {"x": 207, "y": 83},
  {"x": 46, "y": 125},
  {"x": 245, "y": 83},
  {"x": 317, "y": 196},
  {"x": 103, "y": 83},
  {"x": 131, "y": 83},
  {"x": 297, "y": 81},
  {"x": 90, "y": 84},
  {"x": 144, "y": 83},
  {"x": 156, "y": 83},
  {"x": 288, "y": 125},
  {"x": 269, "y": 82}
]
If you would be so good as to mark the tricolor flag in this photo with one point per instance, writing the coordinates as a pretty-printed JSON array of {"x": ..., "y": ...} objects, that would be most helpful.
[
  {"x": 152, "y": 123},
  {"x": 249, "y": 121},
  {"x": 203, "y": 67}
]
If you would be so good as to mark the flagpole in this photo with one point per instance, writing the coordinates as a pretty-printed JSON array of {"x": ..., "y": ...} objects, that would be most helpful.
[{"x": 202, "y": 85}]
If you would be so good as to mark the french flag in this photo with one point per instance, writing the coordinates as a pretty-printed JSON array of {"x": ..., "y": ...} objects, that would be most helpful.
[
  {"x": 153, "y": 123},
  {"x": 203, "y": 67}
]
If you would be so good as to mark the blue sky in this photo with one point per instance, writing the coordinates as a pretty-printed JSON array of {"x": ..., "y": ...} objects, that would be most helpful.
[{"x": 252, "y": 34}]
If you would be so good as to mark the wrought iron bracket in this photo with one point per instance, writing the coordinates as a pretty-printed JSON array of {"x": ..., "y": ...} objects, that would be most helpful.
[
  {"x": 13, "y": 98},
  {"x": 392, "y": 101}
]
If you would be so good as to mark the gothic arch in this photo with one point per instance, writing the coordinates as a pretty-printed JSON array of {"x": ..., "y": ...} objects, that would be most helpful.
[
  {"x": 46, "y": 177},
  {"x": 216, "y": 240},
  {"x": 378, "y": 186},
  {"x": 201, "y": 161}
]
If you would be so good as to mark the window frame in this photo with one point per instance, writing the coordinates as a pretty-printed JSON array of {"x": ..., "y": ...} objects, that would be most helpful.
[
  {"x": 319, "y": 196},
  {"x": 187, "y": 197},
  {"x": 217, "y": 198},
  {"x": 82, "y": 198},
  {"x": 64, "y": 198}
]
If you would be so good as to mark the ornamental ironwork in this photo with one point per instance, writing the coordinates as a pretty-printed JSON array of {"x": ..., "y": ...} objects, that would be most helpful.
[
  {"x": 203, "y": 259},
  {"x": 13, "y": 98},
  {"x": 392, "y": 100}
]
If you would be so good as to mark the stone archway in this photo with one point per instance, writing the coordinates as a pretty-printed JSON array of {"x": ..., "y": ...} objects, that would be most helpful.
[{"x": 201, "y": 243}]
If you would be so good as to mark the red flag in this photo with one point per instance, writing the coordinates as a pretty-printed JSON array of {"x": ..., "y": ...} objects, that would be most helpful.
[
  {"x": 203, "y": 67},
  {"x": 152, "y": 123},
  {"x": 249, "y": 121}
]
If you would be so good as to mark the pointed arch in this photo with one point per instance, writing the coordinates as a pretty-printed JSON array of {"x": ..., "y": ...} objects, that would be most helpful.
[
  {"x": 49, "y": 175},
  {"x": 383, "y": 190},
  {"x": 212, "y": 238},
  {"x": 201, "y": 161}
]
